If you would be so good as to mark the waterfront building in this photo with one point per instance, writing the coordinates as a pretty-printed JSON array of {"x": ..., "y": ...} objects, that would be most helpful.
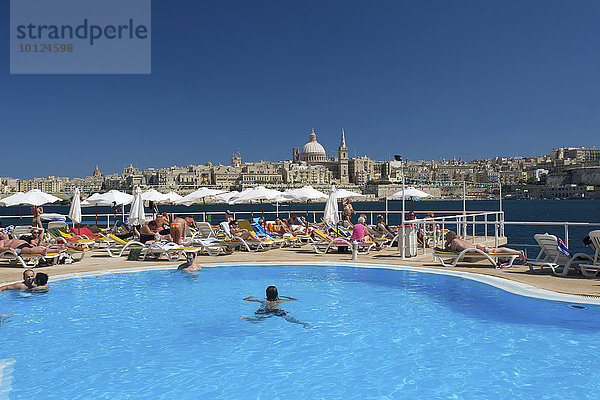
[
  {"x": 225, "y": 177},
  {"x": 296, "y": 174},
  {"x": 314, "y": 154},
  {"x": 50, "y": 184},
  {"x": 9, "y": 185},
  {"x": 260, "y": 173},
  {"x": 568, "y": 191},
  {"x": 312, "y": 164}
]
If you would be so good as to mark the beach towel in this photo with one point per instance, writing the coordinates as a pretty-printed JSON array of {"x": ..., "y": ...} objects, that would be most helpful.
[{"x": 562, "y": 247}]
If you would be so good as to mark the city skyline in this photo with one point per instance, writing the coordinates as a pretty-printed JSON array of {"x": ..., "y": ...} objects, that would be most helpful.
[
  {"x": 426, "y": 80},
  {"x": 99, "y": 168}
]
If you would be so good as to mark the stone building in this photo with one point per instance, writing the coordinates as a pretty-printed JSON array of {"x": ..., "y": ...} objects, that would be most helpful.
[{"x": 314, "y": 154}]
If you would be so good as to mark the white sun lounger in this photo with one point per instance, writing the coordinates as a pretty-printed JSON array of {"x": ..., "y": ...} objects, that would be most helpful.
[
  {"x": 551, "y": 256},
  {"x": 473, "y": 255},
  {"x": 591, "y": 270}
]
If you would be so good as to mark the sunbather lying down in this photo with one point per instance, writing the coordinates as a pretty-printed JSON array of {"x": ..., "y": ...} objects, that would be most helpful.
[
  {"x": 21, "y": 247},
  {"x": 453, "y": 243}
]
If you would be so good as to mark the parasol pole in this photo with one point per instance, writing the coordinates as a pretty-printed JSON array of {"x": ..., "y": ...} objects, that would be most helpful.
[
  {"x": 386, "y": 209},
  {"x": 262, "y": 211},
  {"x": 204, "y": 203},
  {"x": 402, "y": 245},
  {"x": 463, "y": 228},
  {"x": 307, "y": 213}
]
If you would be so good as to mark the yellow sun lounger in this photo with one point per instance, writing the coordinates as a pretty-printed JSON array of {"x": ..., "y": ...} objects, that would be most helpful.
[{"x": 28, "y": 260}]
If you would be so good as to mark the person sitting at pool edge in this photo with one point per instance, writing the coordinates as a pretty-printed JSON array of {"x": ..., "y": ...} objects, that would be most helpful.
[
  {"x": 453, "y": 243},
  {"x": 28, "y": 282}
]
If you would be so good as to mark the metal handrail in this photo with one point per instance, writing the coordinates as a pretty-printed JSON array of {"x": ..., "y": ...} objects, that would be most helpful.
[{"x": 463, "y": 222}]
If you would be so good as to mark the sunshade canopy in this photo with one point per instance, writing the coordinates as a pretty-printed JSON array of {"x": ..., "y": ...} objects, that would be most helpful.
[
  {"x": 331, "y": 215},
  {"x": 136, "y": 213},
  {"x": 198, "y": 195},
  {"x": 257, "y": 193},
  {"x": 75, "y": 209},
  {"x": 304, "y": 194},
  {"x": 34, "y": 197},
  {"x": 410, "y": 192}
]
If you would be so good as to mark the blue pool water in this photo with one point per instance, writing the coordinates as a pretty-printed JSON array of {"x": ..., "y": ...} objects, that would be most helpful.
[{"x": 374, "y": 333}]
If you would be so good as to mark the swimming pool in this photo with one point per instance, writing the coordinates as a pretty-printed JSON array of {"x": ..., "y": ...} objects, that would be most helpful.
[{"x": 374, "y": 333}]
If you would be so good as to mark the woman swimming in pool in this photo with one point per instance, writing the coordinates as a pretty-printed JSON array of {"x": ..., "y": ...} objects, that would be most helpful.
[{"x": 270, "y": 307}]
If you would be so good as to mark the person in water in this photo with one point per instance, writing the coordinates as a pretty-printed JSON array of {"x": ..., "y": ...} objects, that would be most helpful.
[
  {"x": 190, "y": 263},
  {"x": 28, "y": 282},
  {"x": 270, "y": 307},
  {"x": 41, "y": 281}
]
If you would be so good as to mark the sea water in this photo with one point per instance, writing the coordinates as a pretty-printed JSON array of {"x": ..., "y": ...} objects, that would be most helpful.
[{"x": 372, "y": 333}]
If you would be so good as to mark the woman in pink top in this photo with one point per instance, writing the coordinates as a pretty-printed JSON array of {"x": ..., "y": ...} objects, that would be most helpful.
[{"x": 359, "y": 231}]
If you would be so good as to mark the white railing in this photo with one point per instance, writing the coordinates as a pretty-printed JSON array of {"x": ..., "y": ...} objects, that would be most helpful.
[{"x": 473, "y": 224}]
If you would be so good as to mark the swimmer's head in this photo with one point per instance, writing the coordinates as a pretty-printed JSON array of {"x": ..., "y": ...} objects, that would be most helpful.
[
  {"x": 361, "y": 220},
  {"x": 28, "y": 277},
  {"x": 41, "y": 279},
  {"x": 189, "y": 258},
  {"x": 272, "y": 294}
]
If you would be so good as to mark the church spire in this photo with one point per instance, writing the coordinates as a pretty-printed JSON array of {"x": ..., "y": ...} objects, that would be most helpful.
[{"x": 343, "y": 143}]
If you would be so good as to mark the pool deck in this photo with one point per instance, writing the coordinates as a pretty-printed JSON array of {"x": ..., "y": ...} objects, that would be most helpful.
[{"x": 98, "y": 260}]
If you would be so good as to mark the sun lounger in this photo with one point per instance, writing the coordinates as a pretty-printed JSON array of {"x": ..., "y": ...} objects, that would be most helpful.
[
  {"x": 472, "y": 255},
  {"x": 59, "y": 236},
  {"x": 117, "y": 247},
  {"x": 172, "y": 251},
  {"x": 591, "y": 270},
  {"x": 205, "y": 230},
  {"x": 29, "y": 260},
  {"x": 326, "y": 242},
  {"x": 554, "y": 254},
  {"x": 21, "y": 230},
  {"x": 213, "y": 246},
  {"x": 266, "y": 240},
  {"x": 288, "y": 238}
]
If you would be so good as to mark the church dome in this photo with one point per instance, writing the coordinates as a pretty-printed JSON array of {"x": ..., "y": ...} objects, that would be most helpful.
[{"x": 313, "y": 150}]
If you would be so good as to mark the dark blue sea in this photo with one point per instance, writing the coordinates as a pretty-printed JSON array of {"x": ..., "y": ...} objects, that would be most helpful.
[{"x": 515, "y": 210}]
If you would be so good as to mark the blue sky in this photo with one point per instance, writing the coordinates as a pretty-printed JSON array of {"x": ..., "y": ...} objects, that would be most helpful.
[{"x": 425, "y": 79}]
